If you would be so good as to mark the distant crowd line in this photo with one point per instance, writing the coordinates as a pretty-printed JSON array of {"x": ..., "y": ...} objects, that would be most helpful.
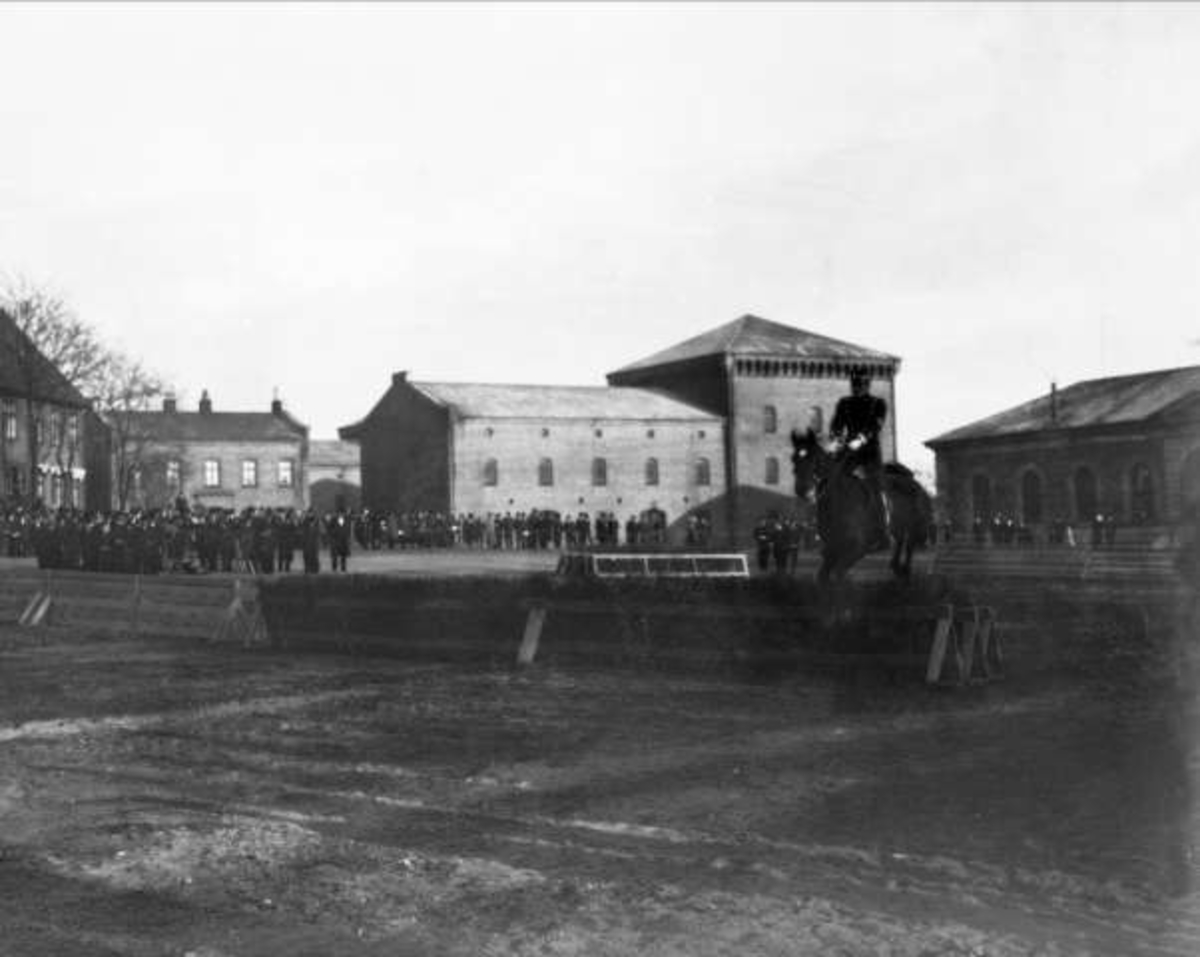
[{"x": 267, "y": 540}]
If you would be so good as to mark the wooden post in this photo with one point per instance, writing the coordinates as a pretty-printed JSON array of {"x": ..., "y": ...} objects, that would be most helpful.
[
  {"x": 970, "y": 634},
  {"x": 942, "y": 633},
  {"x": 135, "y": 612},
  {"x": 533, "y": 634}
]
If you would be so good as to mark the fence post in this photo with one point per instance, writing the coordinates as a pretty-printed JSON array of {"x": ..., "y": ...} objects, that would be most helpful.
[
  {"x": 533, "y": 633},
  {"x": 135, "y": 613},
  {"x": 942, "y": 634}
]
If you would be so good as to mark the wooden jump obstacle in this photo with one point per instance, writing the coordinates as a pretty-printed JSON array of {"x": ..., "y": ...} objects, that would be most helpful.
[
  {"x": 964, "y": 647},
  {"x": 216, "y": 609}
]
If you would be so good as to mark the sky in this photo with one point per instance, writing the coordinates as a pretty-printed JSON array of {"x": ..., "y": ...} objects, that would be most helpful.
[{"x": 307, "y": 197}]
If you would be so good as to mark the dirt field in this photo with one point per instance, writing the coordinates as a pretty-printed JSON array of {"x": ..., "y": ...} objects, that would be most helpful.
[{"x": 172, "y": 799}]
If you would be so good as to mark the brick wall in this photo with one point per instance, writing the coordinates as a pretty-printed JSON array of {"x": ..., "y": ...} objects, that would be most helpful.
[
  {"x": 518, "y": 445},
  {"x": 268, "y": 493},
  {"x": 1056, "y": 457}
]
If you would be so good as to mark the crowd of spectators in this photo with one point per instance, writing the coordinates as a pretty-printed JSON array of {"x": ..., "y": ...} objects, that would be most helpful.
[{"x": 191, "y": 538}]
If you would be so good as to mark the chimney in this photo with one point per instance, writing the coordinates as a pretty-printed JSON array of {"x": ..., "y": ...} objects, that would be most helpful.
[
  {"x": 205, "y": 403},
  {"x": 400, "y": 378},
  {"x": 1053, "y": 403},
  {"x": 169, "y": 402},
  {"x": 276, "y": 403}
]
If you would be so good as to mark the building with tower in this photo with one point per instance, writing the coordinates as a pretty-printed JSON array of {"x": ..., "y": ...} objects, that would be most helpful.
[{"x": 701, "y": 427}]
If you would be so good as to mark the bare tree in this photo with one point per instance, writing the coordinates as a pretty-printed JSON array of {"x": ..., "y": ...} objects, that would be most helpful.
[
  {"x": 128, "y": 392},
  {"x": 61, "y": 367}
]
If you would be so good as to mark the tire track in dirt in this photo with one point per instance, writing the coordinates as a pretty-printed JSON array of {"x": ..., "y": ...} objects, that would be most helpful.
[{"x": 65, "y": 728}]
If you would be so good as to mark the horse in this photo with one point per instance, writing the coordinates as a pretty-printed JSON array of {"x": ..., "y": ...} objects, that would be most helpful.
[{"x": 845, "y": 513}]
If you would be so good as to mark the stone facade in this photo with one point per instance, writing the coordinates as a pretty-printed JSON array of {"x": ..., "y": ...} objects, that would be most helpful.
[
  {"x": 230, "y": 460},
  {"x": 1127, "y": 448}
]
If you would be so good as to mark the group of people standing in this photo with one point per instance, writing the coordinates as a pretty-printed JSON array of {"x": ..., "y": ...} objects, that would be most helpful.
[{"x": 180, "y": 538}]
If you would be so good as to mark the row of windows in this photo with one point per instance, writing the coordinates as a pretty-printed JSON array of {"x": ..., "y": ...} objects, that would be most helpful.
[
  {"x": 598, "y": 433},
  {"x": 52, "y": 427},
  {"x": 285, "y": 473},
  {"x": 701, "y": 472},
  {"x": 1083, "y": 488}
]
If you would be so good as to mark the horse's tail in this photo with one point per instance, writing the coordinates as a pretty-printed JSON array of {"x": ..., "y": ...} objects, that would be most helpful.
[{"x": 912, "y": 506}]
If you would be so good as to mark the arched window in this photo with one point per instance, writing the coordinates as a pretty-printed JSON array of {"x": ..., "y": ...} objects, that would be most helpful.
[
  {"x": 1031, "y": 498},
  {"x": 981, "y": 498},
  {"x": 491, "y": 472},
  {"x": 1189, "y": 485},
  {"x": 599, "y": 471},
  {"x": 770, "y": 419},
  {"x": 772, "y": 470},
  {"x": 703, "y": 472},
  {"x": 651, "y": 471},
  {"x": 1141, "y": 494},
  {"x": 546, "y": 472},
  {"x": 1087, "y": 502}
]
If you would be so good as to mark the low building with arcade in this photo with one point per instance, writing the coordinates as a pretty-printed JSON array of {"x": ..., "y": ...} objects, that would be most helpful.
[{"x": 1126, "y": 448}]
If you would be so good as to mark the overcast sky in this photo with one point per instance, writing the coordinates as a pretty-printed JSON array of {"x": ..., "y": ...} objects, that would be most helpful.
[{"x": 312, "y": 197}]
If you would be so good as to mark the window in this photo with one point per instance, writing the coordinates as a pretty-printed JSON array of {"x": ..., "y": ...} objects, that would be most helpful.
[
  {"x": 1087, "y": 503},
  {"x": 651, "y": 471},
  {"x": 287, "y": 473},
  {"x": 212, "y": 473},
  {"x": 249, "y": 473},
  {"x": 1031, "y": 498},
  {"x": 491, "y": 472},
  {"x": 649, "y": 433},
  {"x": 1141, "y": 494},
  {"x": 174, "y": 474},
  {"x": 56, "y": 432},
  {"x": 73, "y": 429},
  {"x": 8, "y": 420},
  {"x": 545, "y": 472},
  {"x": 599, "y": 433},
  {"x": 599, "y": 471},
  {"x": 703, "y": 472},
  {"x": 545, "y": 433},
  {"x": 1189, "y": 484},
  {"x": 772, "y": 470},
  {"x": 770, "y": 419}
]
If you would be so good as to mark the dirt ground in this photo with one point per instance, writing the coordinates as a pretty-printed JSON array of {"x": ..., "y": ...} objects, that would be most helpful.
[{"x": 179, "y": 799}]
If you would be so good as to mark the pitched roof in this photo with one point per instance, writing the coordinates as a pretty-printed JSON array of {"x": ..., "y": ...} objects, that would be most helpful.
[
  {"x": 473, "y": 400},
  {"x": 49, "y": 384},
  {"x": 216, "y": 426},
  {"x": 755, "y": 336},
  {"x": 1094, "y": 402}
]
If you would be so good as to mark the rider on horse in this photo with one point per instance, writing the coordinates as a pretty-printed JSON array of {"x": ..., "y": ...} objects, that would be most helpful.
[{"x": 857, "y": 421}]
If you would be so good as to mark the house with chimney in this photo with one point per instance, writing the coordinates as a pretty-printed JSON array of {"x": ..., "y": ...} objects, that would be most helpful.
[{"x": 211, "y": 458}]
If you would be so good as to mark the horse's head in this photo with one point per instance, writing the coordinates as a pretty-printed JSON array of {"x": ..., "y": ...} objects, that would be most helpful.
[{"x": 808, "y": 461}]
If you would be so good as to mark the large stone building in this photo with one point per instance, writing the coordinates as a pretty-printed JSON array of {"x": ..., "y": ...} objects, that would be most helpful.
[
  {"x": 701, "y": 426},
  {"x": 52, "y": 447},
  {"x": 229, "y": 460},
  {"x": 1126, "y": 447}
]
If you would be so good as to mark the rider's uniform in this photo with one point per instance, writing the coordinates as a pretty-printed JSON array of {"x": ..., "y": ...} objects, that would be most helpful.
[{"x": 857, "y": 421}]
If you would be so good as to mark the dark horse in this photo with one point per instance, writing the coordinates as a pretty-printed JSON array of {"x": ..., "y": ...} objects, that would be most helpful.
[{"x": 844, "y": 512}]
